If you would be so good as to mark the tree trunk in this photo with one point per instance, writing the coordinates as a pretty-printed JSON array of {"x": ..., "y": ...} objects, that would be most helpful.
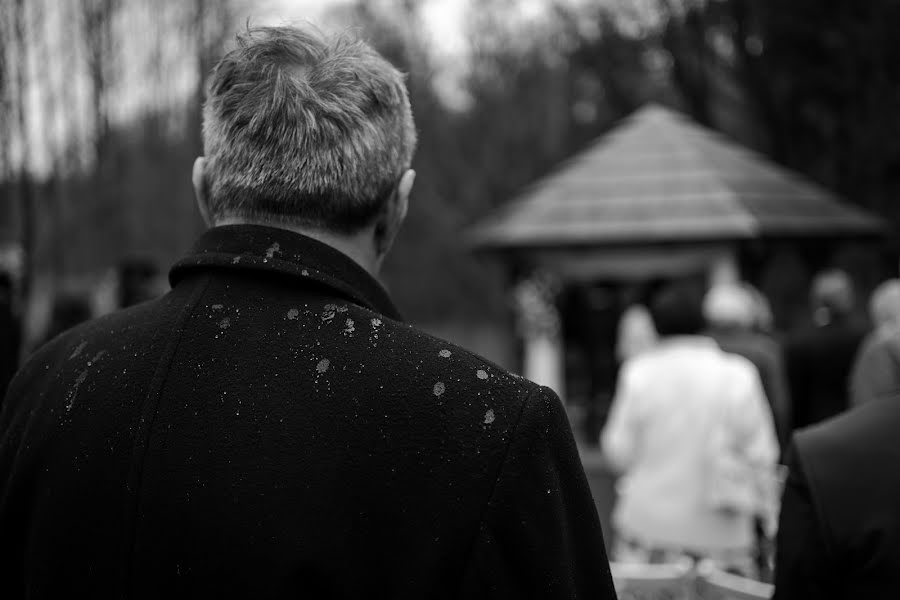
[{"x": 25, "y": 183}]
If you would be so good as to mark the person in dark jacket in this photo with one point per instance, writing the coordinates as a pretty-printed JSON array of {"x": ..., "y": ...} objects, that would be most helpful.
[
  {"x": 839, "y": 533},
  {"x": 819, "y": 359},
  {"x": 729, "y": 310},
  {"x": 270, "y": 427}
]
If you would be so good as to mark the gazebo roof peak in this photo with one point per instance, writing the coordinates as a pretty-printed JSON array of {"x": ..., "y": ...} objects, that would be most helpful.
[{"x": 658, "y": 176}]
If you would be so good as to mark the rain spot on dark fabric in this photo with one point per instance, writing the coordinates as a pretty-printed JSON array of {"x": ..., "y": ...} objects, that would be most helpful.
[
  {"x": 323, "y": 365},
  {"x": 444, "y": 353},
  {"x": 73, "y": 391},
  {"x": 225, "y": 323},
  {"x": 96, "y": 357},
  {"x": 272, "y": 250},
  {"x": 481, "y": 374},
  {"x": 349, "y": 327},
  {"x": 78, "y": 350},
  {"x": 328, "y": 313},
  {"x": 293, "y": 314},
  {"x": 489, "y": 417},
  {"x": 439, "y": 388},
  {"x": 217, "y": 306}
]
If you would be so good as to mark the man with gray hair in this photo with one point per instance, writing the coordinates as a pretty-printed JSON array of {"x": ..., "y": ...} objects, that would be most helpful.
[{"x": 270, "y": 427}]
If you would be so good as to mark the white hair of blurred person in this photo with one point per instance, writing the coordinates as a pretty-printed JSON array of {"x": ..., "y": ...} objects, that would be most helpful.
[
  {"x": 884, "y": 305},
  {"x": 730, "y": 306},
  {"x": 636, "y": 332}
]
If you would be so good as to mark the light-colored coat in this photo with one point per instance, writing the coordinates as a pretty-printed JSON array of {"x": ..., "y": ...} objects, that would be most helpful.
[{"x": 670, "y": 404}]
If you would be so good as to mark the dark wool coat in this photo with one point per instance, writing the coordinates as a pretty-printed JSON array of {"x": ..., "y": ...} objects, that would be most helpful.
[
  {"x": 839, "y": 532},
  {"x": 271, "y": 429}
]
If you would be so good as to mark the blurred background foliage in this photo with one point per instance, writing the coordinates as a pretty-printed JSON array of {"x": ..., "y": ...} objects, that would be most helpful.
[{"x": 100, "y": 115}]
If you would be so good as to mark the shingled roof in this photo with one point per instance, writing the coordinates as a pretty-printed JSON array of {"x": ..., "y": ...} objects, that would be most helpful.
[{"x": 660, "y": 177}]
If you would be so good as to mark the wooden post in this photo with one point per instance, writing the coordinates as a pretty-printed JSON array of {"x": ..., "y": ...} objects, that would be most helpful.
[
  {"x": 544, "y": 362},
  {"x": 543, "y": 359},
  {"x": 724, "y": 268}
]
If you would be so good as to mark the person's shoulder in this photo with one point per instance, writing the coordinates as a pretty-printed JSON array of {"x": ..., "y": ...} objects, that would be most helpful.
[
  {"x": 882, "y": 339},
  {"x": 466, "y": 393},
  {"x": 68, "y": 344},
  {"x": 90, "y": 341},
  {"x": 854, "y": 446},
  {"x": 738, "y": 364},
  {"x": 457, "y": 367},
  {"x": 638, "y": 365},
  {"x": 854, "y": 428},
  {"x": 852, "y": 468}
]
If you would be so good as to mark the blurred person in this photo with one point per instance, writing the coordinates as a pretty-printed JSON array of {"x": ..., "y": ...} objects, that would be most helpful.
[
  {"x": 735, "y": 321},
  {"x": 636, "y": 331},
  {"x": 876, "y": 370},
  {"x": 683, "y": 412},
  {"x": 819, "y": 358},
  {"x": 10, "y": 333},
  {"x": 69, "y": 309},
  {"x": 839, "y": 530},
  {"x": 270, "y": 427},
  {"x": 138, "y": 281}
]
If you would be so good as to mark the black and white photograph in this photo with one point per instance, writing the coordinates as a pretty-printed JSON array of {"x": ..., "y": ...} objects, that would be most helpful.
[{"x": 360, "y": 299}]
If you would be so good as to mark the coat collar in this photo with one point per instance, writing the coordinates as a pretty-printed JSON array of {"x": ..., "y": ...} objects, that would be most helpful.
[{"x": 282, "y": 252}]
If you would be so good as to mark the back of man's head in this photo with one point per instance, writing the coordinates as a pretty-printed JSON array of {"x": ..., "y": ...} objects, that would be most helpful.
[
  {"x": 884, "y": 306},
  {"x": 832, "y": 292},
  {"x": 304, "y": 129},
  {"x": 677, "y": 310}
]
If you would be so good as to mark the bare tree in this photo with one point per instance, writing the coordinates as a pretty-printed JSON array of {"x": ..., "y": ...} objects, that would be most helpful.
[
  {"x": 98, "y": 38},
  {"x": 24, "y": 179},
  {"x": 5, "y": 91}
]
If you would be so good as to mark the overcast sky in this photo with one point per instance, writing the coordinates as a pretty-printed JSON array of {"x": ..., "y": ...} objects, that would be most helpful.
[{"x": 444, "y": 18}]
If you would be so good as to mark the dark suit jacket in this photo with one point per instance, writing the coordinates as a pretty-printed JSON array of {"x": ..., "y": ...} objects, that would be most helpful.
[
  {"x": 766, "y": 355},
  {"x": 839, "y": 534},
  {"x": 271, "y": 429},
  {"x": 819, "y": 361}
]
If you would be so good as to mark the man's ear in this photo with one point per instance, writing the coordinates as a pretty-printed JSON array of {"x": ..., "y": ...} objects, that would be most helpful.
[
  {"x": 394, "y": 214},
  {"x": 198, "y": 178}
]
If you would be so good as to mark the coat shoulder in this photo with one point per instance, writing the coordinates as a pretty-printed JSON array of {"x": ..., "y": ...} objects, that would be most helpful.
[{"x": 459, "y": 366}]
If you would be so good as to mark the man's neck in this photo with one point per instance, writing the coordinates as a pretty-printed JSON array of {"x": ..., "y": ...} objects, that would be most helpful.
[{"x": 358, "y": 246}]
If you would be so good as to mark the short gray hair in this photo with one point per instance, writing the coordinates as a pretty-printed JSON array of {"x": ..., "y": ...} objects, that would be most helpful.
[{"x": 304, "y": 128}]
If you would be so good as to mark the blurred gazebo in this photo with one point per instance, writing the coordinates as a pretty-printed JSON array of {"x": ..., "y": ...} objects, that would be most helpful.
[{"x": 657, "y": 196}]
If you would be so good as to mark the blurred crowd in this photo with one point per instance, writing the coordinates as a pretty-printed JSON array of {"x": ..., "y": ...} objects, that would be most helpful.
[
  {"x": 706, "y": 406},
  {"x": 707, "y": 399}
]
